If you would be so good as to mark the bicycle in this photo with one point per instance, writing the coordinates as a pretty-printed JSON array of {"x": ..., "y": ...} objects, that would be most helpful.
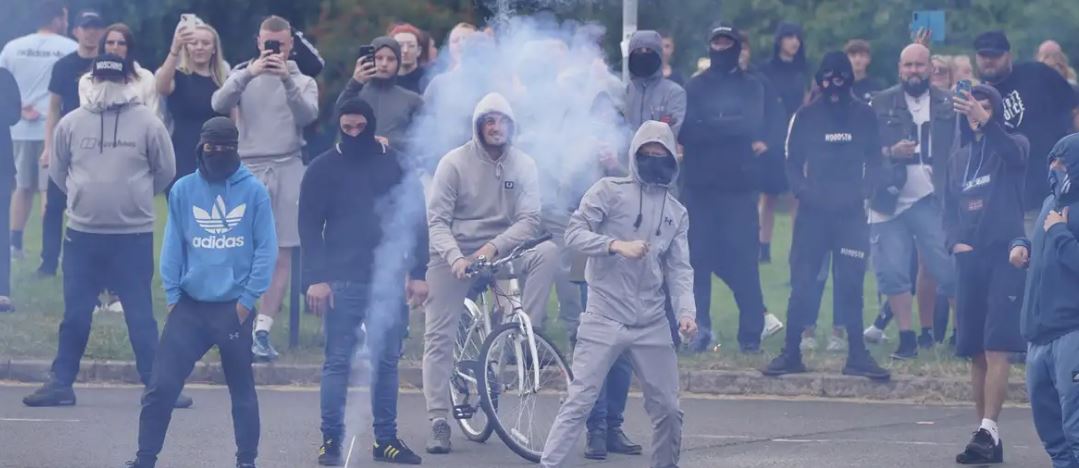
[{"x": 512, "y": 367}]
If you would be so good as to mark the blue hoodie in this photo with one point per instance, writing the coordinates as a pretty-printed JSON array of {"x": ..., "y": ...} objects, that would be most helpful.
[{"x": 220, "y": 242}]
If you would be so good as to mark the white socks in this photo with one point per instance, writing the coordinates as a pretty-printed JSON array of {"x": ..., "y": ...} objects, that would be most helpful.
[
  {"x": 263, "y": 323},
  {"x": 991, "y": 427}
]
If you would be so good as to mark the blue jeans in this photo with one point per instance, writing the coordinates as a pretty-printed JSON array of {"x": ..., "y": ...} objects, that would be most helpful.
[
  {"x": 1052, "y": 370},
  {"x": 610, "y": 408},
  {"x": 385, "y": 333},
  {"x": 893, "y": 243},
  {"x": 122, "y": 263}
]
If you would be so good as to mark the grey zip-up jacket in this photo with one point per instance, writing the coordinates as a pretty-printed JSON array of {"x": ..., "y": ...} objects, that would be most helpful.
[
  {"x": 474, "y": 200},
  {"x": 654, "y": 97},
  {"x": 631, "y": 291},
  {"x": 111, "y": 156},
  {"x": 273, "y": 111}
]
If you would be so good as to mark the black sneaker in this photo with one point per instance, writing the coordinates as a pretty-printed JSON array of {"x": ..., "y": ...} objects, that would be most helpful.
[
  {"x": 596, "y": 446},
  {"x": 926, "y": 340},
  {"x": 617, "y": 442},
  {"x": 981, "y": 450},
  {"x": 750, "y": 348},
  {"x": 245, "y": 465},
  {"x": 908, "y": 346},
  {"x": 395, "y": 451},
  {"x": 863, "y": 365},
  {"x": 51, "y": 394},
  {"x": 329, "y": 454},
  {"x": 786, "y": 363},
  {"x": 701, "y": 342},
  {"x": 138, "y": 464}
]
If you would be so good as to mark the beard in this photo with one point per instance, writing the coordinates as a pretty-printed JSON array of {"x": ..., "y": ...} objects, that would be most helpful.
[{"x": 915, "y": 86}]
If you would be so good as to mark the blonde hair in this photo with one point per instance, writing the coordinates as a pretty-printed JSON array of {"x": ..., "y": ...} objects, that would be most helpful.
[{"x": 219, "y": 69}]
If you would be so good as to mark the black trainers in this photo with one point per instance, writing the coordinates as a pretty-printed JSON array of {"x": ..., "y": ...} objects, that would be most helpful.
[
  {"x": 51, "y": 394},
  {"x": 926, "y": 340},
  {"x": 908, "y": 346},
  {"x": 863, "y": 365},
  {"x": 750, "y": 349},
  {"x": 617, "y": 442},
  {"x": 329, "y": 454},
  {"x": 787, "y": 362},
  {"x": 701, "y": 342},
  {"x": 138, "y": 464},
  {"x": 395, "y": 451},
  {"x": 245, "y": 465},
  {"x": 596, "y": 447},
  {"x": 981, "y": 450}
]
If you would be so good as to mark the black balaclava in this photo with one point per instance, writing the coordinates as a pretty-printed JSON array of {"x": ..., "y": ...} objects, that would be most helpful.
[
  {"x": 838, "y": 64},
  {"x": 653, "y": 170},
  {"x": 644, "y": 64},
  {"x": 365, "y": 143},
  {"x": 725, "y": 61},
  {"x": 1067, "y": 151},
  {"x": 218, "y": 165}
]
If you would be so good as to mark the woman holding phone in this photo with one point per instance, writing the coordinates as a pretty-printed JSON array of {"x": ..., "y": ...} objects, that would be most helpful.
[{"x": 193, "y": 70}]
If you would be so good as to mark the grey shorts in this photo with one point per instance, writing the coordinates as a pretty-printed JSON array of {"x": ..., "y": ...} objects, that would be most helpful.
[
  {"x": 28, "y": 171},
  {"x": 282, "y": 179}
]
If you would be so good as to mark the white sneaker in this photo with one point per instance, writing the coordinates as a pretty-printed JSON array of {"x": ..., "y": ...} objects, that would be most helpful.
[
  {"x": 115, "y": 307},
  {"x": 772, "y": 325},
  {"x": 836, "y": 344},
  {"x": 809, "y": 343},
  {"x": 874, "y": 335}
]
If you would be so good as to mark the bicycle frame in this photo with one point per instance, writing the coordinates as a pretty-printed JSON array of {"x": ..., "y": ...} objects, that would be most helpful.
[{"x": 519, "y": 315}]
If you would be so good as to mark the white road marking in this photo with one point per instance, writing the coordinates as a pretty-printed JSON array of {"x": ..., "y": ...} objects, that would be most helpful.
[
  {"x": 349, "y": 456},
  {"x": 33, "y": 420}
]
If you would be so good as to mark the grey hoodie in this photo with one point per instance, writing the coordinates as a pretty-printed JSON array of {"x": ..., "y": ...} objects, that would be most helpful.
[
  {"x": 474, "y": 200},
  {"x": 654, "y": 97},
  {"x": 111, "y": 156},
  {"x": 273, "y": 111},
  {"x": 395, "y": 107},
  {"x": 631, "y": 291}
]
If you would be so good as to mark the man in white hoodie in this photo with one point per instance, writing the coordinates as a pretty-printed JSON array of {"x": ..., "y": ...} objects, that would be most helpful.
[
  {"x": 634, "y": 233},
  {"x": 274, "y": 103}
]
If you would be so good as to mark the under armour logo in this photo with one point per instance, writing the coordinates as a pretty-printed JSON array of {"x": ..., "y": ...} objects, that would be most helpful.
[
  {"x": 234, "y": 335},
  {"x": 669, "y": 221}
]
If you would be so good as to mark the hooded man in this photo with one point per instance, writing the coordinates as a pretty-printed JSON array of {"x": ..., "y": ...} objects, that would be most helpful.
[
  {"x": 375, "y": 81},
  {"x": 725, "y": 131},
  {"x": 217, "y": 257},
  {"x": 483, "y": 201},
  {"x": 111, "y": 156},
  {"x": 650, "y": 96},
  {"x": 343, "y": 230},
  {"x": 983, "y": 213},
  {"x": 1049, "y": 320},
  {"x": 833, "y": 162},
  {"x": 635, "y": 235}
]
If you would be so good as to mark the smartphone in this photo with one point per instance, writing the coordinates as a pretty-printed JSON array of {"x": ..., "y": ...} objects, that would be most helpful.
[
  {"x": 273, "y": 45},
  {"x": 962, "y": 87},
  {"x": 930, "y": 20},
  {"x": 366, "y": 51}
]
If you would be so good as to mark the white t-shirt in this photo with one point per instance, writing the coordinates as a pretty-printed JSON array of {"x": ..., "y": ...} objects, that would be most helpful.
[
  {"x": 919, "y": 176},
  {"x": 30, "y": 59}
]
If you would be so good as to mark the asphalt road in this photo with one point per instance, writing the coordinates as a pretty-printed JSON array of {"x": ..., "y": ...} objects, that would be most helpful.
[{"x": 738, "y": 433}]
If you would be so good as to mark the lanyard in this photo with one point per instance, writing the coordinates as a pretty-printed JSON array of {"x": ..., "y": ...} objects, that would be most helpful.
[{"x": 969, "y": 178}]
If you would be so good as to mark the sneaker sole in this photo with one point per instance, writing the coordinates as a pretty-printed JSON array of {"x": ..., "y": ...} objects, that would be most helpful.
[
  {"x": 786, "y": 372},
  {"x": 337, "y": 462},
  {"x": 438, "y": 451},
  {"x": 50, "y": 405},
  {"x": 595, "y": 457},
  {"x": 396, "y": 462},
  {"x": 873, "y": 377}
]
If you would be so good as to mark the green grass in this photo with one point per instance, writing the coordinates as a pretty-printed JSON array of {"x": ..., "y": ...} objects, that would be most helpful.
[{"x": 31, "y": 331}]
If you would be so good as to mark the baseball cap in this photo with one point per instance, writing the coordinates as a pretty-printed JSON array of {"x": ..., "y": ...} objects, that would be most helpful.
[
  {"x": 109, "y": 67},
  {"x": 89, "y": 19},
  {"x": 992, "y": 43},
  {"x": 725, "y": 30}
]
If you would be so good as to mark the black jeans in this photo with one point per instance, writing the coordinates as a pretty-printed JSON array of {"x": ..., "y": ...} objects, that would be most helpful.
[
  {"x": 723, "y": 236},
  {"x": 52, "y": 227},
  {"x": 125, "y": 264},
  {"x": 846, "y": 237},
  {"x": 190, "y": 331}
]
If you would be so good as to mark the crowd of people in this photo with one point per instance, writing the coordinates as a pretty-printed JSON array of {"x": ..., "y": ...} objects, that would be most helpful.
[{"x": 953, "y": 186}]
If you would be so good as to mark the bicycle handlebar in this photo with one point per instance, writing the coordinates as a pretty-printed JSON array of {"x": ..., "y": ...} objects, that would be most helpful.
[{"x": 484, "y": 266}]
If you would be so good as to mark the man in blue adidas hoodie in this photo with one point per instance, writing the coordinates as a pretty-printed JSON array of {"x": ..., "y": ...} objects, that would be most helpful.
[
  {"x": 217, "y": 257},
  {"x": 1050, "y": 318}
]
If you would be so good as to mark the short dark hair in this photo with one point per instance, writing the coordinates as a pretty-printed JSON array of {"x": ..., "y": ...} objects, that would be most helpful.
[
  {"x": 274, "y": 23},
  {"x": 47, "y": 11},
  {"x": 857, "y": 46}
]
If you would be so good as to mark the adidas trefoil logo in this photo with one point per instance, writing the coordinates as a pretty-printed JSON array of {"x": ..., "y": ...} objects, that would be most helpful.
[{"x": 218, "y": 221}]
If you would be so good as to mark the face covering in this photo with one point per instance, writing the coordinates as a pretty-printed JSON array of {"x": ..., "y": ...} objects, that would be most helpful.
[
  {"x": 217, "y": 166},
  {"x": 915, "y": 89},
  {"x": 658, "y": 171},
  {"x": 644, "y": 64},
  {"x": 1060, "y": 183},
  {"x": 727, "y": 59},
  {"x": 360, "y": 144}
]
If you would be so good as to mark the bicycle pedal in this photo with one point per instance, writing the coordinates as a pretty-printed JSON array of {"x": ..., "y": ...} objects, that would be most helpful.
[
  {"x": 468, "y": 366},
  {"x": 463, "y": 412}
]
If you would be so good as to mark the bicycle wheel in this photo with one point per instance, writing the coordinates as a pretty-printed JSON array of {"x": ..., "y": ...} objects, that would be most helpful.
[
  {"x": 464, "y": 388},
  {"x": 509, "y": 393}
]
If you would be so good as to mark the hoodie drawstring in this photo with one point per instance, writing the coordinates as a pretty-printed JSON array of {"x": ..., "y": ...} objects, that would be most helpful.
[
  {"x": 116, "y": 130},
  {"x": 662, "y": 208},
  {"x": 101, "y": 132},
  {"x": 640, "y": 208}
]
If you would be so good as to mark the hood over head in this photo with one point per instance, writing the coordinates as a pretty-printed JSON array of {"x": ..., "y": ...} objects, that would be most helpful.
[
  {"x": 982, "y": 91},
  {"x": 109, "y": 88},
  {"x": 652, "y": 132},
  {"x": 1066, "y": 150},
  {"x": 493, "y": 103},
  {"x": 652, "y": 61},
  {"x": 785, "y": 29},
  {"x": 389, "y": 42},
  {"x": 365, "y": 143},
  {"x": 223, "y": 163}
]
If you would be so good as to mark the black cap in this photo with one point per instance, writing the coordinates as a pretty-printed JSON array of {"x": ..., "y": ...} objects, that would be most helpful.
[
  {"x": 725, "y": 30},
  {"x": 992, "y": 43},
  {"x": 109, "y": 67},
  {"x": 89, "y": 19},
  {"x": 219, "y": 131}
]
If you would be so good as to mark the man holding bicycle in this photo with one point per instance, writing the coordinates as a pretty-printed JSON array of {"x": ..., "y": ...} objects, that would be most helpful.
[
  {"x": 483, "y": 201},
  {"x": 634, "y": 233}
]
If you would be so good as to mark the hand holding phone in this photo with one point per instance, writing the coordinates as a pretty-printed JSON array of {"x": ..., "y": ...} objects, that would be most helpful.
[{"x": 963, "y": 87}]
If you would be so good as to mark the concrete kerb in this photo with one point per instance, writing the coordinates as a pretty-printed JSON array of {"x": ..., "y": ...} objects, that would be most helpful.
[{"x": 708, "y": 382}]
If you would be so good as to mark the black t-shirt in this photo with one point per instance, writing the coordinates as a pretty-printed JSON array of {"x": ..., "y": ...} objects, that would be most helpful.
[
  {"x": 189, "y": 105},
  {"x": 64, "y": 81},
  {"x": 1037, "y": 103},
  {"x": 865, "y": 88}
]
